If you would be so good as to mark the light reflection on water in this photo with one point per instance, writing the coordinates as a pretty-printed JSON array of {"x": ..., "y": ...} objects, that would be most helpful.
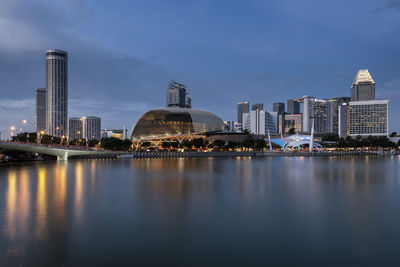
[{"x": 201, "y": 211}]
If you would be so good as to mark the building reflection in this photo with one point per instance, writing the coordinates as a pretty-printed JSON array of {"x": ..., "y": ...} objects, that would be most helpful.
[
  {"x": 41, "y": 204},
  {"x": 11, "y": 206},
  {"x": 78, "y": 191},
  {"x": 60, "y": 193}
]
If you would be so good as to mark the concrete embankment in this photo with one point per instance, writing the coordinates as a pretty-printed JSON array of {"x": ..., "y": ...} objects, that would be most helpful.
[{"x": 258, "y": 154}]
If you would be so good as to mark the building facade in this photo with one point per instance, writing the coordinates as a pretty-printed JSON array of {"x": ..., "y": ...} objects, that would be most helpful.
[
  {"x": 290, "y": 121},
  {"x": 230, "y": 126},
  {"x": 91, "y": 128},
  {"x": 40, "y": 118},
  {"x": 364, "y": 118},
  {"x": 260, "y": 122},
  {"x": 293, "y": 106},
  {"x": 74, "y": 128},
  {"x": 258, "y": 106},
  {"x": 279, "y": 108},
  {"x": 322, "y": 115},
  {"x": 115, "y": 133},
  {"x": 242, "y": 107},
  {"x": 56, "y": 92},
  {"x": 307, "y": 112},
  {"x": 176, "y": 96},
  {"x": 336, "y": 102},
  {"x": 363, "y": 87}
]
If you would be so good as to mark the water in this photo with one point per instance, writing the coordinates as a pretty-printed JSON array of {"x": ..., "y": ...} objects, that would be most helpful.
[{"x": 201, "y": 211}]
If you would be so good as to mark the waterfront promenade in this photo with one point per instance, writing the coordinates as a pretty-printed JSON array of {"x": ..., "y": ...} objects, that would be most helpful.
[{"x": 319, "y": 153}]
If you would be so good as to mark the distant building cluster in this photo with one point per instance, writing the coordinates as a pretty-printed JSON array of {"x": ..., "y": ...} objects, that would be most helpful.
[
  {"x": 52, "y": 104},
  {"x": 357, "y": 115},
  {"x": 177, "y": 97}
]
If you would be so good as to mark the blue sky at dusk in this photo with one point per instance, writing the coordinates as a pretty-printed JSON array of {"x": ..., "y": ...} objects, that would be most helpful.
[{"x": 122, "y": 54}]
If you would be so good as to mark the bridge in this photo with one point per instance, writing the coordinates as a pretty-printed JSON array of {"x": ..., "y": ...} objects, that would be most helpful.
[{"x": 61, "y": 152}]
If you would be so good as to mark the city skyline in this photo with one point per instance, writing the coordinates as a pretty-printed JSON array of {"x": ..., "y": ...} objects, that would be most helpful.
[{"x": 134, "y": 80}]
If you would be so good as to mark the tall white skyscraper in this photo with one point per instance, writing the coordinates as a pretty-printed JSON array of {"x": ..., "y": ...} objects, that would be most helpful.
[{"x": 57, "y": 93}]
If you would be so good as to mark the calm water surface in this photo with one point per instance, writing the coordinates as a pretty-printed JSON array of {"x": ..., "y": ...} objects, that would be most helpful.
[{"x": 204, "y": 211}]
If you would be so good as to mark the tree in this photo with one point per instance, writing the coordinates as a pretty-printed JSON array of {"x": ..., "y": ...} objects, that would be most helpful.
[
  {"x": 188, "y": 144},
  {"x": 126, "y": 144},
  {"x": 165, "y": 145},
  {"x": 46, "y": 139},
  {"x": 198, "y": 142},
  {"x": 146, "y": 144},
  {"x": 231, "y": 144},
  {"x": 291, "y": 131},
  {"x": 219, "y": 143},
  {"x": 393, "y": 134},
  {"x": 260, "y": 144},
  {"x": 175, "y": 145}
]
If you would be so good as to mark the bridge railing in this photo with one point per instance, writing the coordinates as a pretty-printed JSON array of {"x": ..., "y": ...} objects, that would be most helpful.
[{"x": 73, "y": 147}]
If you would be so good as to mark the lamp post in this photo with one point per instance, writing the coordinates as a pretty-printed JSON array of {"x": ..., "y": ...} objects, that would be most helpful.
[
  {"x": 12, "y": 129},
  {"x": 40, "y": 136}
]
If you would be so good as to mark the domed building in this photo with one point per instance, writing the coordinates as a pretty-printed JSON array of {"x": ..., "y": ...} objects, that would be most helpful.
[{"x": 166, "y": 122}]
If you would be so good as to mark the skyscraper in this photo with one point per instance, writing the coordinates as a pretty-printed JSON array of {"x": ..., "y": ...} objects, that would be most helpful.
[
  {"x": 279, "y": 108},
  {"x": 57, "y": 92},
  {"x": 307, "y": 112},
  {"x": 242, "y": 107},
  {"x": 363, "y": 87},
  {"x": 293, "y": 106},
  {"x": 322, "y": 115},
  {"x": 40, "y": 118},
  {"x": 176, "y": 96},
  {"x": 74, "y": 128},
  {"x": 258, "y": 106},
  {"x": 336, "y": 102},
  {"x": 91, "y": 128}
]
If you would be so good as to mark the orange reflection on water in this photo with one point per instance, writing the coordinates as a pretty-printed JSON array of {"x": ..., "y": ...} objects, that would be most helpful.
[
  {"x": 60, "y": 192},
  {"x": 24, "y": 205},
  {"x": 10, "y": 214},
  {"x": 41, "y": 205},
  {"x": 78, "y": 190}
]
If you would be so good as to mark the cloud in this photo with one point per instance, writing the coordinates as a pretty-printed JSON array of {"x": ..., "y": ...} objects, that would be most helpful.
[
  {"x": 101, "y": 83},
  {"x": 9, "y": 104},
  {"x": 390, "y": 4}
]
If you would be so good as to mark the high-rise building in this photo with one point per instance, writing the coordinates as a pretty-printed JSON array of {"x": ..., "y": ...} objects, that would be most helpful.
[
  {"x": 307, "y": 112},
  {"x": 336, "y": 102},
  {"x": 40, "y": 119},
  {"x": 242, "y": 107},
  {"x": 188, "y": 100},
  {"x": 91, "y": 128},
  {"x": 74, "y": 128},
  {"x": 364, "y": 118},
  {"x": 363, "y": 87},
  {"x": 260, "y": 122},
  {"x": 57, "y": 92},
  {"x": 293, "y": 106},
  {"x": 289, "y": 121},
  {"x": 176, "y": 96},
  {"x": 279, "y": 108},
  {"x": 230, "y": 126},
  {"x": 322, "y": 115},
  {"x": 258, "y": 106}
]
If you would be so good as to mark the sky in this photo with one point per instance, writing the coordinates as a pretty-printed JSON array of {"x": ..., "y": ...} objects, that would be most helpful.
[{"x": 122, "y": 54}]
